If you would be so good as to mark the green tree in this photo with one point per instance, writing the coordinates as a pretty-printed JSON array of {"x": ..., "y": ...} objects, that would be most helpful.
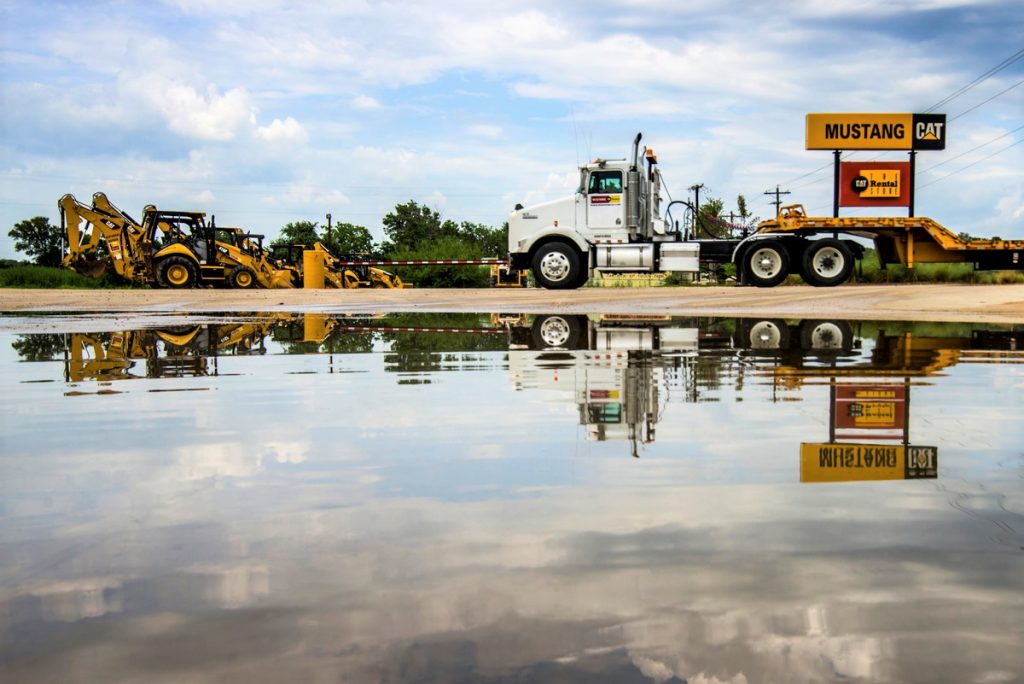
[
  {"x": 39, "y": 239},
  {"x": 348, "y": 238},
  {"x": 344, "y": 238},
  {"x": 411, "y": 224},
  {"x": 709, "y": 219},
  {"x": 297, "y": 233},
  {"x": 39, "y": 347},
  {"x": 449, "y": 247},
  {"x": 490, "y": 242}
]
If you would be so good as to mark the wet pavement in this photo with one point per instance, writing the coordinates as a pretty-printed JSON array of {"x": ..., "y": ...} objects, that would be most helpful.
[{"x": 509, "y": 498}]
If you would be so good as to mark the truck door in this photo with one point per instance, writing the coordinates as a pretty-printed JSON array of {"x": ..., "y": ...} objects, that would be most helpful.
[{"x": 605, "y": 206}]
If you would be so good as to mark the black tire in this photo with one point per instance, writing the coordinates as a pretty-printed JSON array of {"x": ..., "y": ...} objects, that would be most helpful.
[
  {"x": 764, "y": 335},
  {"x": 766, "y": 264},
  {"x": 557, "y": 331},
  {"x": 242, "y": 278},
  {"x": 177, "y": 272},
  {"x": 557, "y": 266},
  {"x": 826, "y": 336},
  {"x": 827, "y": 263}
]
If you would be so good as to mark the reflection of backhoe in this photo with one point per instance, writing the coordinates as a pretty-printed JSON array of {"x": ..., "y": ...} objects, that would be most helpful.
[
  {"x": 186, "y": 252},
  {"x": 181, "y": 351}
]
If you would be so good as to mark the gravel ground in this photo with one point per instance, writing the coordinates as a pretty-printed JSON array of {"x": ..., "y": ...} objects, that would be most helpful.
[{"x": 932, "y": 302}]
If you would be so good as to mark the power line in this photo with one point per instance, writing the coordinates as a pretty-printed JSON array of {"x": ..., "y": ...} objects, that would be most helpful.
[
  {"x": 988, "y": 74},
  {"x": 935, "y": 166},
  {"x": 971, "y": 164},
  {"x": 1003, "y": 92}
]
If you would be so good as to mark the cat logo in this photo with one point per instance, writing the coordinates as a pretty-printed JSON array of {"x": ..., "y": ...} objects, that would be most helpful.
[{"x": 929, "y": 132}]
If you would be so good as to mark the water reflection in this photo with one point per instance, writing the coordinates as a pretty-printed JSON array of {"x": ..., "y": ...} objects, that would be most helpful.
[{"x": 417, "y": 498}]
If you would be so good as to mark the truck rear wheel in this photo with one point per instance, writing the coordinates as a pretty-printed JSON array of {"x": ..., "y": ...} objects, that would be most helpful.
[
  {"x": 557, "y": 266},
  {"x": 768, "y": 334},
  {"x": 826, "y": 336},
  {"x": 827, "y": 263},
  {"x": 176, "y": 272},
  {"x": 766, "y": 263}
]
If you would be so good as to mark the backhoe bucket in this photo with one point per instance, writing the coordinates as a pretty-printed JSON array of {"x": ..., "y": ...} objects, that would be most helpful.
[{"x": 91, "y": 268}]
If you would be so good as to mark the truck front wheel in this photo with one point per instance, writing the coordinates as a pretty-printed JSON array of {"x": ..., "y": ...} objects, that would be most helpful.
[
  {"x": 766, "y": 263},
  {"x": 557, "y": 266},
  {"x": 827, "y": 263}
]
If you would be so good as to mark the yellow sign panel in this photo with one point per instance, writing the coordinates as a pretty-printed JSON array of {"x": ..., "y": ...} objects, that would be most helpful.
[
  {"x": 881, "y": 183},
  {"x": 865, "y": 462},
  {"x": 860, "y": 131}
]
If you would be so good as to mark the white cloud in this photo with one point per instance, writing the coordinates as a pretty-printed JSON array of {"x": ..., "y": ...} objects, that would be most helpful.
[
  {"x": 205, "y": 116},
  {"x": 287, "y": 131},
  {"x": 366, "y": 102}
]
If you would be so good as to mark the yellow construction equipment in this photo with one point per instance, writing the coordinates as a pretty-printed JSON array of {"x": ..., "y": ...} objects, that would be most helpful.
[
  {"x": 173, "y": 249},
  {"x": 319, "y": 268}
]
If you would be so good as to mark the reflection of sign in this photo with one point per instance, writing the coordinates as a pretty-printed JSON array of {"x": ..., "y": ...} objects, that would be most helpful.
[
  {"x": 876, "y": 132},
  {"x": 874, "y": 184},
  {"x": 870, "y": 407},
  {"x": 863, "y": 462},
  {"x": 605, "y": 199}
]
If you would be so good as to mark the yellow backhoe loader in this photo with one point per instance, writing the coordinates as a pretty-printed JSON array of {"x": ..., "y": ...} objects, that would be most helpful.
[{"x": 175, "y": 249}]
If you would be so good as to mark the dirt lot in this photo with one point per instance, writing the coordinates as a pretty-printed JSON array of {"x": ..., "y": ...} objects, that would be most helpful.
[{"x": 968, "y": 303}]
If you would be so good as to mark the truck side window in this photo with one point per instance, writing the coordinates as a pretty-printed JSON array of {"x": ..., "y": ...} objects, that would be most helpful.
[{"x": 605, "y": 182}]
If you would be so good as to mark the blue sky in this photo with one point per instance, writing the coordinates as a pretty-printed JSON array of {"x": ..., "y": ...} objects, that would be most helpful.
[{"x": 264, "y": 112}]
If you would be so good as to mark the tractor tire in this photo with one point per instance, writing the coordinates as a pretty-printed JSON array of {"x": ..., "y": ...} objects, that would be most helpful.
[
  {"x": 558, "y": 266},
  {"x": 766, "y": 264},
  {"x": 177, "y": 273},
  {"x": 242, "y": 278},
  {"x": 827, "y": 263}
]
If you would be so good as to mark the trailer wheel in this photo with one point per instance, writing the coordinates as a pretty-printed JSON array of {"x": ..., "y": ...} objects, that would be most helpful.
[
  {"x": 826, "y": 336},
  {"x": 561, "y": 332},
  {"x": 557, "y": 266},
  {"x": 766, "y": 263},
  {"x": 242, "y": 277},
  {"x": 771, "y": 334},
  {"x": 827, "y": 263},
  {"x": 176, "y": 272}
]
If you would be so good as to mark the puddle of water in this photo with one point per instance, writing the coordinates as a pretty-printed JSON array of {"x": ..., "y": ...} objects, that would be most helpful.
[{"x": 497, "y": 498}]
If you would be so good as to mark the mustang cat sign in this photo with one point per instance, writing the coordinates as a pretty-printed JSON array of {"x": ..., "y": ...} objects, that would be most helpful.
[{"x": 876, "y": 131}]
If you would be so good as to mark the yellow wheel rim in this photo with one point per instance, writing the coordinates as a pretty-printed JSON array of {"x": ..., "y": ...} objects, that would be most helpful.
[
  {"x": 177, "y": 275},
  {"x": 244, "y": 280}
]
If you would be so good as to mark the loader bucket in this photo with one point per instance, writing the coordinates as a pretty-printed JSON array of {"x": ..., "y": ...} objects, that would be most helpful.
[{"x": 91, "y": 268}]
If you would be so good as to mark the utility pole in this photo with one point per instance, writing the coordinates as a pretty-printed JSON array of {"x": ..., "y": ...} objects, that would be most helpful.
[
  {"x": 696, "y": 206},
  {"x": 778, "y": 201},
  {"x": 328, "y": 228}
]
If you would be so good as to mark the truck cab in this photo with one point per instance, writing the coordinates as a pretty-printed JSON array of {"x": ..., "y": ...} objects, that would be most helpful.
[{"x": 612, "y": 223}]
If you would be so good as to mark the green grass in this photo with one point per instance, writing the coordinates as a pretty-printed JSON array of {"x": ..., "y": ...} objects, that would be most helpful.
[
  {"x": 869, "y": 271},
  {"x": 32, "y": 276}
]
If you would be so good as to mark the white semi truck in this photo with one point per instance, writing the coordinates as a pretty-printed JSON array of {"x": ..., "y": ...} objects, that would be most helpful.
[{"x": 614, "y": 223}]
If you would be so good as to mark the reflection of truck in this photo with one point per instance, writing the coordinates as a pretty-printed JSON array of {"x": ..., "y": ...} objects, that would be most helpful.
[
  {"x": 174, "y": 249},
  {"x": 619, "y": 370},
  {"x": 614, "y": 224}
]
